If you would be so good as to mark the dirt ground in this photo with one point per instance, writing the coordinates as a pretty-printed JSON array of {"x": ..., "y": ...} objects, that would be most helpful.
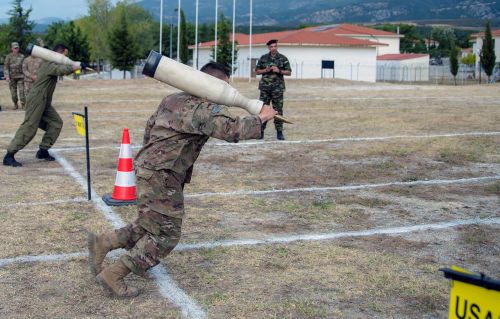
[{"x": 360, "y": 157}]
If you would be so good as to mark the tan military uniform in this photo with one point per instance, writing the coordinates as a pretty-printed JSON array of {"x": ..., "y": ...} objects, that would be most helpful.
[
  {"x": 30, "y": 70},
  {"x": 13, "y": 69},
  {"x": 39, "y": 112},
  {"x": 174, "y": 137}
]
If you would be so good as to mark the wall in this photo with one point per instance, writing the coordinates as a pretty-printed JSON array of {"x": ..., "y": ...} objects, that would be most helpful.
[
  {"x": 393, "y": 43},
  {"x": 357, "y": 64}
]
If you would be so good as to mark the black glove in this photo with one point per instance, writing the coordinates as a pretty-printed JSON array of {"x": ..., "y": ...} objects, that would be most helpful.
[{"x": 84, "y": 65}]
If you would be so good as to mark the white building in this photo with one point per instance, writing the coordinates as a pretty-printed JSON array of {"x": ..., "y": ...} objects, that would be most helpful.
[
  {"x": 351, "y": 50},
  {"x": 407, "y": 67},
  {"x": 477, "y": 44}
]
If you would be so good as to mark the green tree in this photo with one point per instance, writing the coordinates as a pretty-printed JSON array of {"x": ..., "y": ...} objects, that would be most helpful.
[
  {"x": 123, "y": 47},
  {"x": 487, "y": 54},
  {"x": 20, "y": 27},
  {"x": 4, "y": 41},
  {"x": 454, "y": 62},
  {"x": 184, "y": 50},
  {"x": 412, "y": 42},
  {"x": 96, "y": 27},
  {"x": 224, "y": 44},
  {"x": 446, "y": 38},
  {"x": 70, "y": 35},
  {"x": 469, "y": 59}
]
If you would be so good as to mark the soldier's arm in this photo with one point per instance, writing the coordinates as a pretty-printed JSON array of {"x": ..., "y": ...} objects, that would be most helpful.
[
  {"x": 6, "y": 69},
  {"x": 59, "y": 69},
  {"x": 260, "y": 68},
  {"x": 286, "y": 70},
  {"x": 216, "y": 121},
  {"x": 26, "y": 72}
]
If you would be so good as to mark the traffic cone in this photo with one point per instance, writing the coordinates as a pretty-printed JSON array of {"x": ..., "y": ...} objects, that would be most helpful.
[{"x": 124, "y": 192}]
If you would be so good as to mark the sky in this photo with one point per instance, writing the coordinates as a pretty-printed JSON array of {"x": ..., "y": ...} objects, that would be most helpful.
[{"x": 65, "y": 9}]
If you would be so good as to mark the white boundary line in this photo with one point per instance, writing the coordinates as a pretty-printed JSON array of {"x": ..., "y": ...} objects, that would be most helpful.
[
  {"x": 278, "y": 239},
  {"x": 168, "y": 288},
  {"x": 340, "y": 139},
  {"x": 348, "y": 187}
]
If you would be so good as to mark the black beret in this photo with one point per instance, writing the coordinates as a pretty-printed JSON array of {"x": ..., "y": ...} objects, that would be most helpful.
[{"x": 271, "y": 42}]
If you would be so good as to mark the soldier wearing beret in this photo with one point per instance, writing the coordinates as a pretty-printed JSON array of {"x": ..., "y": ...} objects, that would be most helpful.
[
  {"x": 173, "y": 139},
  {"x": 273, "y": 66}
]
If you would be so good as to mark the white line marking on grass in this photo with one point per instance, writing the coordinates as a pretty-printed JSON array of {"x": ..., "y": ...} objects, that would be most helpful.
[
  {"x": 348, "y": 187},
  {"x": 55, "y": 202},
  {"x": 42, "y": 258},
  {"x": 461, "y": 98},
  {"x": 337, "y": 235},
  {"x": 156, "y": 271},
  {"x": 168, "y": 288},
  {"x": 340, "y": 139}
]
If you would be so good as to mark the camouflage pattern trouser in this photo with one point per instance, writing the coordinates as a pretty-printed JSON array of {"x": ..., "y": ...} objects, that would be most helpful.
[
  {"x": 27, "y": 87},
  {"x": 14, "y": 85},
  {"x": 276, "y": 97},
  {"x": 37, "y": 116},
  {"x": 157, "y": 230}
]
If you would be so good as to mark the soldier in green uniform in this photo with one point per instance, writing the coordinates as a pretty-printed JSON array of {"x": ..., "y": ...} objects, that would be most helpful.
[
  {"x": 273, "y": 66},
  {"x": 173, "y": 139},
  {"x": 40, "y": 113},
  {"x": 13, "y": 69}
]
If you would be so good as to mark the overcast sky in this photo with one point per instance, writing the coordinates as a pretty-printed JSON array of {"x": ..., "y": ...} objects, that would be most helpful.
[{"x": 66, "y": 9}]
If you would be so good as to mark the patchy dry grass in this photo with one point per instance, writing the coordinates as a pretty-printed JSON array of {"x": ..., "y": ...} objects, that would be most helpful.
[{"x": 372, "y": 277}]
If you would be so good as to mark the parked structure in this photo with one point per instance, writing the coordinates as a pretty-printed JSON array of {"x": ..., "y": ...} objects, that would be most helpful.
[{"x": 342, "y": 51}]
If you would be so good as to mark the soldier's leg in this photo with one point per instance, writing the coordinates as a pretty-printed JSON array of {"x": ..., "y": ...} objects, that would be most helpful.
[
  {"x": 13, "y": 92},
  {"x": 27, "y": 129},
  {"x": 52, "y": 124},
  {"x": 161, "y": 209},
  {"x": 265, "y": 96},
  {"x": 27, "y": 87},
  {"x": 22, "y": 96},
  {"x": 277, "y": 98}
]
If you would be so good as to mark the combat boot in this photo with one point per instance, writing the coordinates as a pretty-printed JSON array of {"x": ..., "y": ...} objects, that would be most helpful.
[
  {"x": 99, "y": 246},
  {"x": 44, "y": 154},
  {"x": 111, "y": 278},
  {"x": 280, "y": 136},
  {"x": 9, "y": 160}
]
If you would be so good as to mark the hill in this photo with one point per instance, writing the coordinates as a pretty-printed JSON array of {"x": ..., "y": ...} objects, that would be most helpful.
[{"x": 295, "y": 12}]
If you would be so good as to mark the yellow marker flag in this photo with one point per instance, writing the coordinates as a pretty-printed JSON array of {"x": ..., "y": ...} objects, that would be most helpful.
[{"x": 80, "y": 123}]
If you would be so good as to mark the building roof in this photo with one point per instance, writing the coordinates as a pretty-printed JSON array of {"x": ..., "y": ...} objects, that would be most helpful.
[
  {"x": 333, "y": 35},
  {"x": 495, "y": 33},
  {"x": 400, "y": 57}
]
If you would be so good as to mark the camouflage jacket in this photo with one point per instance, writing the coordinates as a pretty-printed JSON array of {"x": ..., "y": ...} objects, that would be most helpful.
[
  {"x": 13, "y": 66},
  {"x": 182, "y": 124},
  {"x": 272, "y": 80},
  {"x": 30, "y": 67}
]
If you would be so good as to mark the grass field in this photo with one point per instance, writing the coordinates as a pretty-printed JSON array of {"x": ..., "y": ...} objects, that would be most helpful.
[{"x": 376, "y": 187}]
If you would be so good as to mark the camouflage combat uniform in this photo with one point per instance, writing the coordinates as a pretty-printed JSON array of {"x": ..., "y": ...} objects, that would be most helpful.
[
  {"x": 39, "y": 112},
  {"x": 13, "y": 68},
  {"x": 272, "y": 85},
  {"x": 30, "y": 70},
  {"x": 173, "y": 139}
]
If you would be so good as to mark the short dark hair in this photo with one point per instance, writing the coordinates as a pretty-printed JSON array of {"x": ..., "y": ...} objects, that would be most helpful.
[
  {"x": 216, "y": 69},
  {"x": 271, "y": 42},
  {"x": 59, "y": 48}
]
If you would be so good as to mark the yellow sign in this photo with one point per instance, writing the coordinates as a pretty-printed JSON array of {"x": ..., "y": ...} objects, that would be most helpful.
[
  {"x": 473, "y": 296},
  {"x": 80, "y": 123}
]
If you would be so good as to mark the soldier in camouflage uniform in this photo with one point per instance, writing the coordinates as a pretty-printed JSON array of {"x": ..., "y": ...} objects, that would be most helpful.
[
  {"x": 173, "y": 139},
  {"x": 13, "y": 69},
  {"x": 40, "y": 113},
  {"x": 30, "y": 70},
  {"x": 273, "y": 66}
]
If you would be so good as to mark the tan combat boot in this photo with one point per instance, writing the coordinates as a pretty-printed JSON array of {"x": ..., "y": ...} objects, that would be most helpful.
[
  {"x": 99, "y": 246},
  {"x": 111, "y": 278}
]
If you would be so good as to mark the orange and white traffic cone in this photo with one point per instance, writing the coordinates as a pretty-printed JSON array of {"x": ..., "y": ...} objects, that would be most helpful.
[{"x": 124, "y": 192}]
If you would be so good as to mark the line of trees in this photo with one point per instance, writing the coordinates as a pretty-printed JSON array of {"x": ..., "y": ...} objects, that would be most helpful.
[{"x": 121, "y": 34}]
